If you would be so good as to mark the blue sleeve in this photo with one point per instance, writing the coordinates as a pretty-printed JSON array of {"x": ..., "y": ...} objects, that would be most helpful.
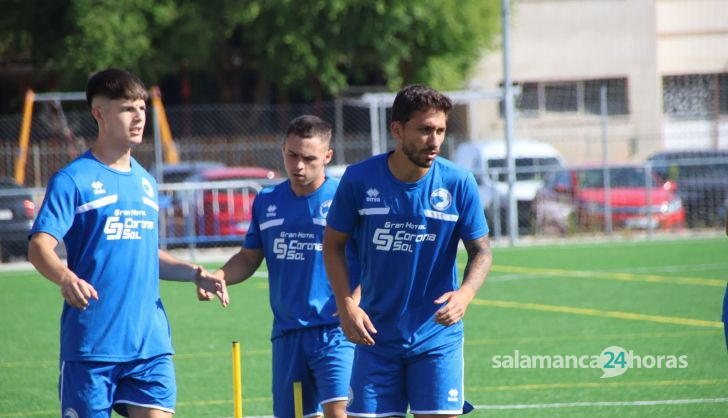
[
  {"x": 58, "y": 210},
  {"x": 472, "y": 223},
  {"x": 343, "y": 215},
  {"x": 252, "y": 237}
]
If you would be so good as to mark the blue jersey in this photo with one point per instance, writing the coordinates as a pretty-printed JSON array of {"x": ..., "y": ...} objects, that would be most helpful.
[
  {"x": 407, "y": 238},
  {"x": 108, "y": 221},
  {"x": 289, "y": 229}
]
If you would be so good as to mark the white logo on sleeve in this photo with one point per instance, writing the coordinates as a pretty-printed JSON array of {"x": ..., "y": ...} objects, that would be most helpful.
[
  {"x": 147, "y": 186},
  {"x": 440, "y": 199},
  {"x": 98, "y": 187}
]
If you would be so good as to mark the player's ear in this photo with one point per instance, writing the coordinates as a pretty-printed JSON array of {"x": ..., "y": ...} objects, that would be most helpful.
[
  {"x": 396, "y": 129},
  {"x": 327, "y": 157}
]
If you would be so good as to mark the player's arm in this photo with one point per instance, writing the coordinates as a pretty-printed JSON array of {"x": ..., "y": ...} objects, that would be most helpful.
[
  {"x": 173, "y": 269},
  {"x": 237, "y": 269},
  {"x": 41, "y": 253},
  {"x": 241, "y": 266},
  {"x": 354, "y": 321},
  {"x": 477, "y": 267}
]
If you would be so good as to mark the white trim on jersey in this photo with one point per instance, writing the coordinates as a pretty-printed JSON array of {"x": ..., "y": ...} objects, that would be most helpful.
[
  {"x": 98, "y": 203},
  {"x": 374, "y": 211},
  {"x": 319, "y": 221},
  {"x": 273, "y": 222},
  {"x": 151, "y": 203},
  {"x": 441, "y": 216}
]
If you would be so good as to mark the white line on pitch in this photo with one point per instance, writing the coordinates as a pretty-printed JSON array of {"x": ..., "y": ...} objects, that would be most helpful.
[{"x": 587, "y": 404}]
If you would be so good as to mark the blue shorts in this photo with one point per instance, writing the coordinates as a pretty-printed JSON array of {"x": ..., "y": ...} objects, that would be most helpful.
[
  {"x": 430, "y": 382},
  {"x": 320, "y": 358},
  {"x": 92, "y": 388}
]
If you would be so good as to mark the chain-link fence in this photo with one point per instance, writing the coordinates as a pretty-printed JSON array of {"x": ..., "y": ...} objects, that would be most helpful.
[{"x": 555, "y": 202}]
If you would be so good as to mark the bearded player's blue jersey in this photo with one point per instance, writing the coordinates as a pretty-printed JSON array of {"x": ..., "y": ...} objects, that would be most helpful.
[
  {"x": 407, "y": 237},
  {"x": 108, "y": 222},
  {"x": 289, "y": 229}
]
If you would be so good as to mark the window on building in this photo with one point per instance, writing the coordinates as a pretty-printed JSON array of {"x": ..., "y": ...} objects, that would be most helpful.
[
  {"x": 689, "y": 96},
  {"x": 583, "y": 96},
  {"x": 616, "y": 96}
]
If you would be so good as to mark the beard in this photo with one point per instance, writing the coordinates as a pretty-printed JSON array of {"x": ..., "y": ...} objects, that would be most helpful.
[{"x": 417, "y": 157}]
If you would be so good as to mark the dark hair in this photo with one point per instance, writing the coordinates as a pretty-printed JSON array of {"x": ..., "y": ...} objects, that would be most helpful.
[
  {"x": 309, "y": 126},
  {"x": 418, "y": 97},
  {"x": 113, "y": 84}
]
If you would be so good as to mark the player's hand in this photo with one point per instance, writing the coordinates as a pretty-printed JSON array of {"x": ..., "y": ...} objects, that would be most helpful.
[
  {"x": 78, "y": 292},
  {"x": 456, "y": 303},
  {"x": 204, "y": 296},
  {"x": 356, "y": 324},
  {"x": 211, "y": 284}
]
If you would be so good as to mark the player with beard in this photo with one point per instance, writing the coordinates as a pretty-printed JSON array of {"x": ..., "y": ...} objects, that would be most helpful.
[{"x": 408, "y": 210}]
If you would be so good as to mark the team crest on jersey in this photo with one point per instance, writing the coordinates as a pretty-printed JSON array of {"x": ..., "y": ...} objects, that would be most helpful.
[
  {"x": 324, "y": 208},
  {"x": 147, "y": 186},
  {"x": 98, "y": 187},
  {"x": 440, "y": 199},
  {"x": 70, "y": 413},
  {"x": 271, "y": 211},
  {"x": 373, "y": 195}
]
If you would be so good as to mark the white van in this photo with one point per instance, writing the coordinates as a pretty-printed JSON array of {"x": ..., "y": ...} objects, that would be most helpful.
[{"x": 487, "y": 160}]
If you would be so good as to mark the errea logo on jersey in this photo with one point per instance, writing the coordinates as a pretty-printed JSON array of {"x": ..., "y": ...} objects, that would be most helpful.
[
  {"x": 373, "y": 195},
  {"x": 452, "y": 395},
  {"x": 271, "y": 211},
  {"x": 98, "y": 187}
]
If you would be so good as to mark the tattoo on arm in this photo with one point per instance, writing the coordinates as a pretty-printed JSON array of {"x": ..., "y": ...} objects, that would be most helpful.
[{"x": 480, "y": 259}]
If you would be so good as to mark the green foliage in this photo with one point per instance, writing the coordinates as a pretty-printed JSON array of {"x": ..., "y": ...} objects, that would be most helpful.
[{"x": 311, "y": 49}]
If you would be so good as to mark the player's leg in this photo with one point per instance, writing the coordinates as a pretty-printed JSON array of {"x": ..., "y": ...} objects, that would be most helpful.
[
  {"x": 86, "y": 389},
  {"x": 289, "y": 365},
  {"x": 435, "y": 382},
  {"x": 330, "y": 362},
  {"x": 377, "y": 384},
  {"x": 146, "y": 388},
  {"x": 141, "y": 412}
]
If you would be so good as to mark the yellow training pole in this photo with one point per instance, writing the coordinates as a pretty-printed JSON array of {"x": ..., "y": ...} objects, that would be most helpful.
[
  {"x": 298, "y": 399},
  {"x": 170, "y": 152},
  {"x": 237, "y": 381},
  {"x": 24, "y": 137}
]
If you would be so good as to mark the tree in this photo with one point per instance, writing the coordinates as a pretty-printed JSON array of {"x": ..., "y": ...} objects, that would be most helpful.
[{"x": 304, "y": 50}]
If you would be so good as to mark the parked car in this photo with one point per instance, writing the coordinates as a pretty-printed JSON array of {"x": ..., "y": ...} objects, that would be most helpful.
[
  {"x": 181, "y": 171},
  {"x": 214, "y": 205},
  {"x": 702, "y": 179},
  {"x": 576, "y": 198},
  {"x": 177, "y": 173},
  {"x": 487, "y": 160},
  {"x": 17, "y": 211}
]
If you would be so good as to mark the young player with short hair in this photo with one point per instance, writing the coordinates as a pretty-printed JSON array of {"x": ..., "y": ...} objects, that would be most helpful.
[{"x": 116, "y": 350}]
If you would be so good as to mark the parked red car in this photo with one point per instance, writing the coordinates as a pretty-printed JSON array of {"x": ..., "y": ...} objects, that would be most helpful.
[
  {"x": 576, "y": 198},
  {"x": 227, "y": 200},
  {"x": 214, "y": 205}
]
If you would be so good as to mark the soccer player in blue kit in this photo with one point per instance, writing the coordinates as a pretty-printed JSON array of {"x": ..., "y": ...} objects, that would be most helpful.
[
  {"x": 116, "y": 349},
  {"x": 287, "y": 230},
  {"x": 408, "y": 210}
]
